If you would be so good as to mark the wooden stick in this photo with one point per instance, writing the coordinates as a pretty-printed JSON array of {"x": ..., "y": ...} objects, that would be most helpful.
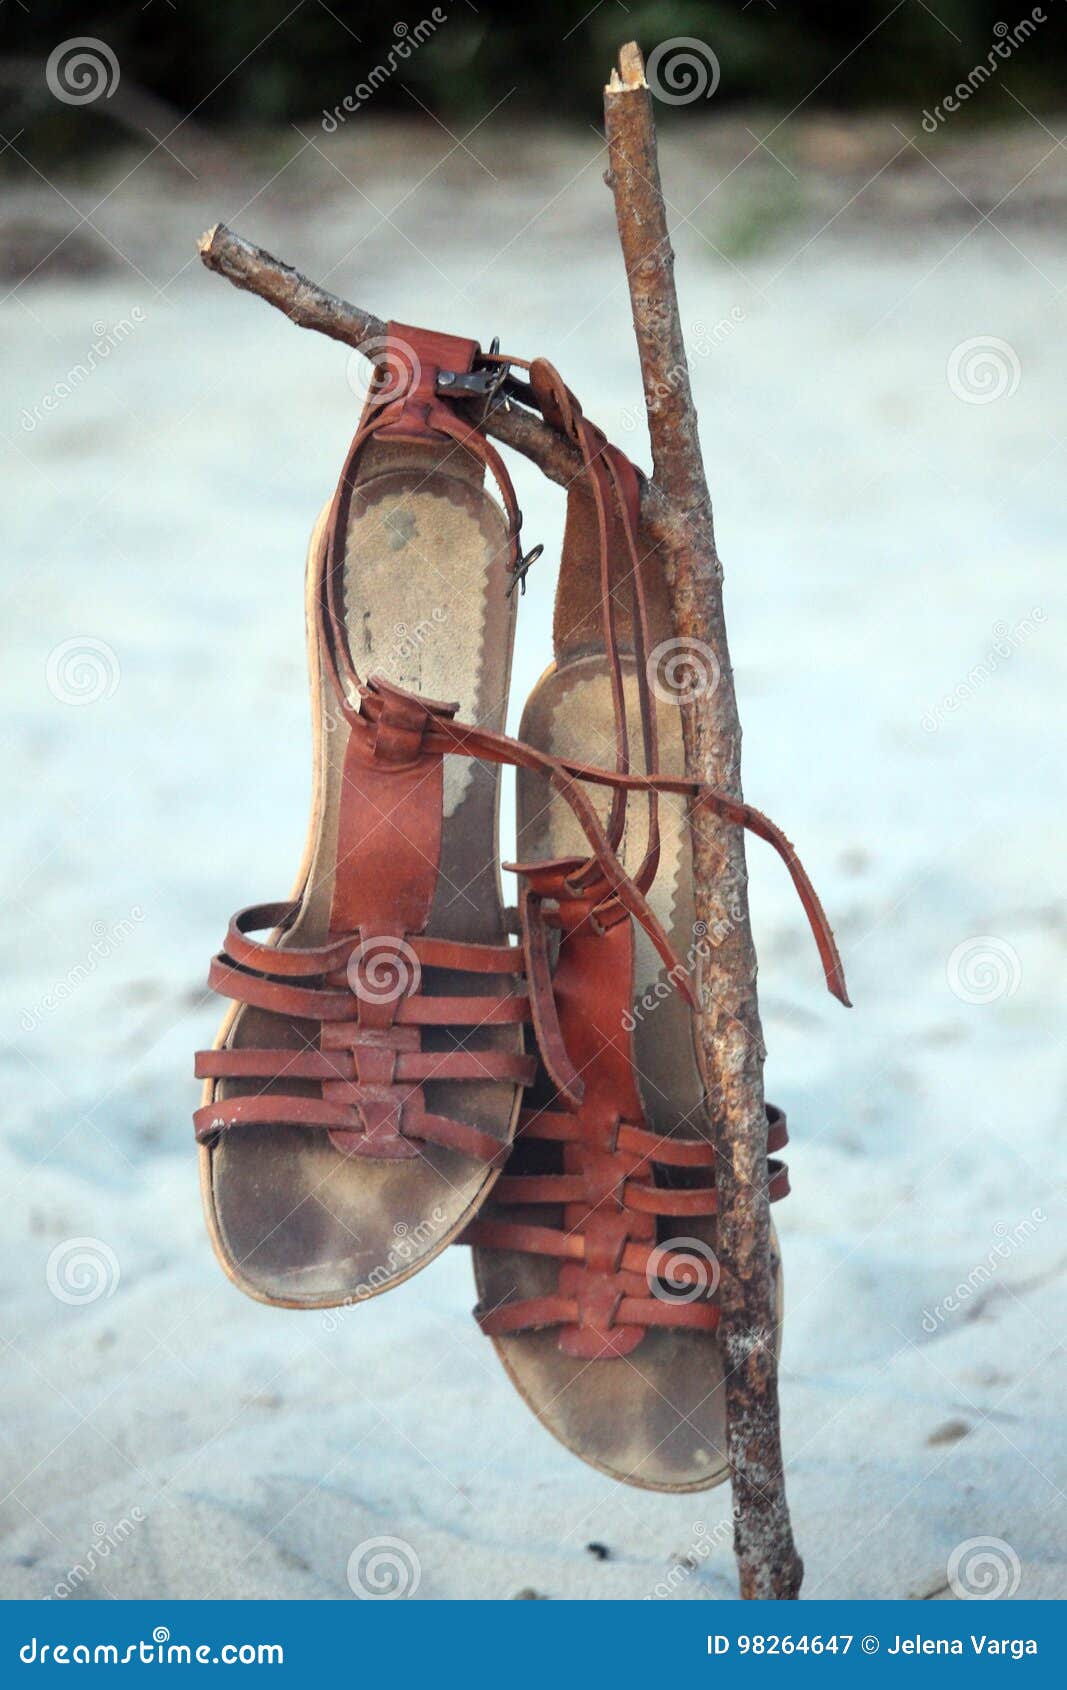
[{"x": 730, "y": 1036}]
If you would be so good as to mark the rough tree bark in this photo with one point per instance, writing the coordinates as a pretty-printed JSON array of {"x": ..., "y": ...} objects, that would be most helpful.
[
  {"x": 730, "y": 1035},
  {"x": 677, "y": 521}
]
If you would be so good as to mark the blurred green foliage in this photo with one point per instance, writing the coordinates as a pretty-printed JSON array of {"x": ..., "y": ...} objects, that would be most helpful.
[{"x": 268, "y": 61}]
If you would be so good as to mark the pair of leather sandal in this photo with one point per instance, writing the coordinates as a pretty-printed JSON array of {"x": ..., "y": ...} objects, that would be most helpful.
[{"x": 407, "y": 1063}]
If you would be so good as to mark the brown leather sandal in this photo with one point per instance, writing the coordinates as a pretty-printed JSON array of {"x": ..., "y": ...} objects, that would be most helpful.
[
  {"x": 595, "y": 1256},
  {"x": 364, "y": 1087}
]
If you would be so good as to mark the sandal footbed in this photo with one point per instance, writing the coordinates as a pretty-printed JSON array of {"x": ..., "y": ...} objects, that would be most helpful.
[{"x": 294, "y": 1221}]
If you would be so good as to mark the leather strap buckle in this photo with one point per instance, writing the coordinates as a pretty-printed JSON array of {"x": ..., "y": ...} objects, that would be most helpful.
[
  {"x": 473, "y": 384},
  {"x": 486, "y": 382}
]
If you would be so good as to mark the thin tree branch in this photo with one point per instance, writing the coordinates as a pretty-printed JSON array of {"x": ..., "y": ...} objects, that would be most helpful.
[
  {"x": 730, "y": 1038},
  {"x": 307, "y": 305}
]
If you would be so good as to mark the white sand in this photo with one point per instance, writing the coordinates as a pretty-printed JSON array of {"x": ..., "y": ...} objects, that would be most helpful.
[{"x": 876, "y": 531}]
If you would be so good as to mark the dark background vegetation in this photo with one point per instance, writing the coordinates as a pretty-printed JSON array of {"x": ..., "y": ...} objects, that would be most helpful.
[{"x": 212, "y": 56}]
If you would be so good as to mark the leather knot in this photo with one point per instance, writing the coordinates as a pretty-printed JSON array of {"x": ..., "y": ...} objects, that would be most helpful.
[{"x": 399, "y": 721}]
